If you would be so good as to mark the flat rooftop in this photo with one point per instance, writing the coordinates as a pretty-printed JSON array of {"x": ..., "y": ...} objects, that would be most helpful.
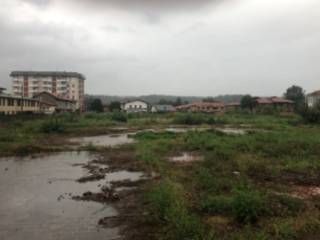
[{"x": 47, "y": 74}]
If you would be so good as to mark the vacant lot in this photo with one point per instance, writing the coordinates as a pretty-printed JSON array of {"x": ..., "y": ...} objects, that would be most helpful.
[{"x": 262, "y": 182}]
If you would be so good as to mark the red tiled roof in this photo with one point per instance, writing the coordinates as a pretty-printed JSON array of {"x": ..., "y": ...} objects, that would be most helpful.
[
  {"x": 272, "y": 100},
  {"x": 47, "y": 103},
  {"x": 281, "y": 100},
  {"x": 264, "y": 101},
  {"x": 55, "y": 96},
  {"x": 315, "y": 93},
  {"x": 201, "y": 104}
]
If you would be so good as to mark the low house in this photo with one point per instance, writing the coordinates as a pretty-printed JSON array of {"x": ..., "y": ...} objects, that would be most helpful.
[
  {"x": 163, "y": 108},
  {"x": 203, "y": 107},
  {"x": 277, "y": 103},
  {"x": 106, "y": 108},
  {"x": 313, "y": 99},
  {"x": 135, "y": 106},
  {"x": 11, "y": 105},
  {"x": 50, "y": 103},
  {"x": 233, "y": 106}
]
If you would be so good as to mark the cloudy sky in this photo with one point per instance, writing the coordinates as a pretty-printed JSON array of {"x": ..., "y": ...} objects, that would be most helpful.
[{"x": 181, "y": 47}]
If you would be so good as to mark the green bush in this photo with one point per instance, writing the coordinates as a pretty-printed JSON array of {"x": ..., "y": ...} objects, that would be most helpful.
[
  {"x": 119, "y": 117},
  {"x": 168, "y": 205},
  {"x": 52, "y": 126},
  {"x": 248, "y": 205},
  {"x": 217, "y": 204},
  {"x": 193, "y": 119},
  {"x": 310, "y": 115}
]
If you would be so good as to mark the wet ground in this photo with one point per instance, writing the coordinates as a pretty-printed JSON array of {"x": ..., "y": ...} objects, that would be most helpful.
[
  {"x": 65, "y": 195},
  {"x": 109, "y": 140},
  {"x": 36, "y": 199}
]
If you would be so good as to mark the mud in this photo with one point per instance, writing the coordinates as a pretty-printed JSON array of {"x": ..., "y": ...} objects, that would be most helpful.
[
  {"x": 305, "y": 192},
  {"x": 106, "y": 196}
]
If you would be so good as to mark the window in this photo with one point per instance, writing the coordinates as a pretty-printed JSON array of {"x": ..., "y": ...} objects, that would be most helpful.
[{"x": 10, "y": 102}]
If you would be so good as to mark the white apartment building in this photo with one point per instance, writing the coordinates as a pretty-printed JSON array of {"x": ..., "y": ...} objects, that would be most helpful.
[
  {"x": 68, "y": 85},
  {"x": 313, "y": 99}
]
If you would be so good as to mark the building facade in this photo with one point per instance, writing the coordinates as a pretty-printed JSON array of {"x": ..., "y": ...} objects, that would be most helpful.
[
  {"x": 163, "y": 108},
  {"x": 10, "y": 105},
  {"x": 50, "y": 103},
  {"x": 67, "y": 85},
  {"x": 203, "y": 107},
  {"x": 275, "y": 103},
  {"x": 135, "y": 106},
  {"x": 313, "y": 99}
]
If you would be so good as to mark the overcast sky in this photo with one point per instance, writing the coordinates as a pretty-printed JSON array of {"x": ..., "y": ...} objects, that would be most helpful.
[{"x": 181, "y": 47}]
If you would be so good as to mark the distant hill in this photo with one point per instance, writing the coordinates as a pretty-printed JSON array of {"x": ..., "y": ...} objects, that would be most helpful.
[{"x": 155, "y": 99}]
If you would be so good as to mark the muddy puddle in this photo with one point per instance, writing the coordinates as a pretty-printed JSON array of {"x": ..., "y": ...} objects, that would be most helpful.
[
  {"x": 186, "y": 157},
  {"x": 36, "y": 199},
  {"x": 109, "y": 140}
]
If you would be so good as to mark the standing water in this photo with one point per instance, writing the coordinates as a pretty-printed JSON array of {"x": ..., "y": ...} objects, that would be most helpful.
[
  {"x": 109, "y": 140},
  {"x": 35, "y": 200}
]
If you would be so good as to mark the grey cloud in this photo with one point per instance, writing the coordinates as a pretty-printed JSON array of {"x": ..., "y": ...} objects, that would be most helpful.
[
  {"x": 261, "y": 55},
  {"x": 154, "y": 5}
]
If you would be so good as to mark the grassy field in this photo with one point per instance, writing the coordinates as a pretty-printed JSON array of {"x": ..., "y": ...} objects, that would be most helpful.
[{"x": 259, "y": 185}]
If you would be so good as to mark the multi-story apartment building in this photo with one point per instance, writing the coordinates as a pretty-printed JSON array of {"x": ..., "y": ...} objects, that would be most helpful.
[
  {"x": 313, "y": 99},
  {"x": 69, "y": 85}
]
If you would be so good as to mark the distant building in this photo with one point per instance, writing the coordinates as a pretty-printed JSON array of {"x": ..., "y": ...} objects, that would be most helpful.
[
  {"x": 313, "y": 99},
  {"x": 135, "y": 106},
  {"x": 11, "y": 105},
  {"x": 106, "y": 108},
  {"x": 50, "y": 103},
  {"x": 2, "y": 90},
  {"x": 204, "y": 107},
  {"x": 163, "y": 108},
  {"x": 233, "y": 106},
  {"x": 278, "y": 103},
  {"x": 68, "y": 85}
]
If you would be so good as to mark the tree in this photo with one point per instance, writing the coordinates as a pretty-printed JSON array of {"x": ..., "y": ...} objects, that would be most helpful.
[
  {"x": 209, "y": 99},
  {"x": 115, "y": 106},
  {"x": 296, "y": 94},
  {"x": 248, "y": 102},
  {"x": 96, "y": 105},
  {"x": 178, "y": 102}
]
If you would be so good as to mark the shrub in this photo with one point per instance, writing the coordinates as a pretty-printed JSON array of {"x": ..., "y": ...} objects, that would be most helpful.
[
  {"x": 52, "y": 126},
  {"x": 119, "y": 117},
  {"x": 188, "y": 119},
  {"x": 286, "y": 205},
  {"x": 248, "y": 205},
  {"x": 168, "y": 205},
  {"x": 217, "y": 204},
  {"x": 310, "y": 115}
]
